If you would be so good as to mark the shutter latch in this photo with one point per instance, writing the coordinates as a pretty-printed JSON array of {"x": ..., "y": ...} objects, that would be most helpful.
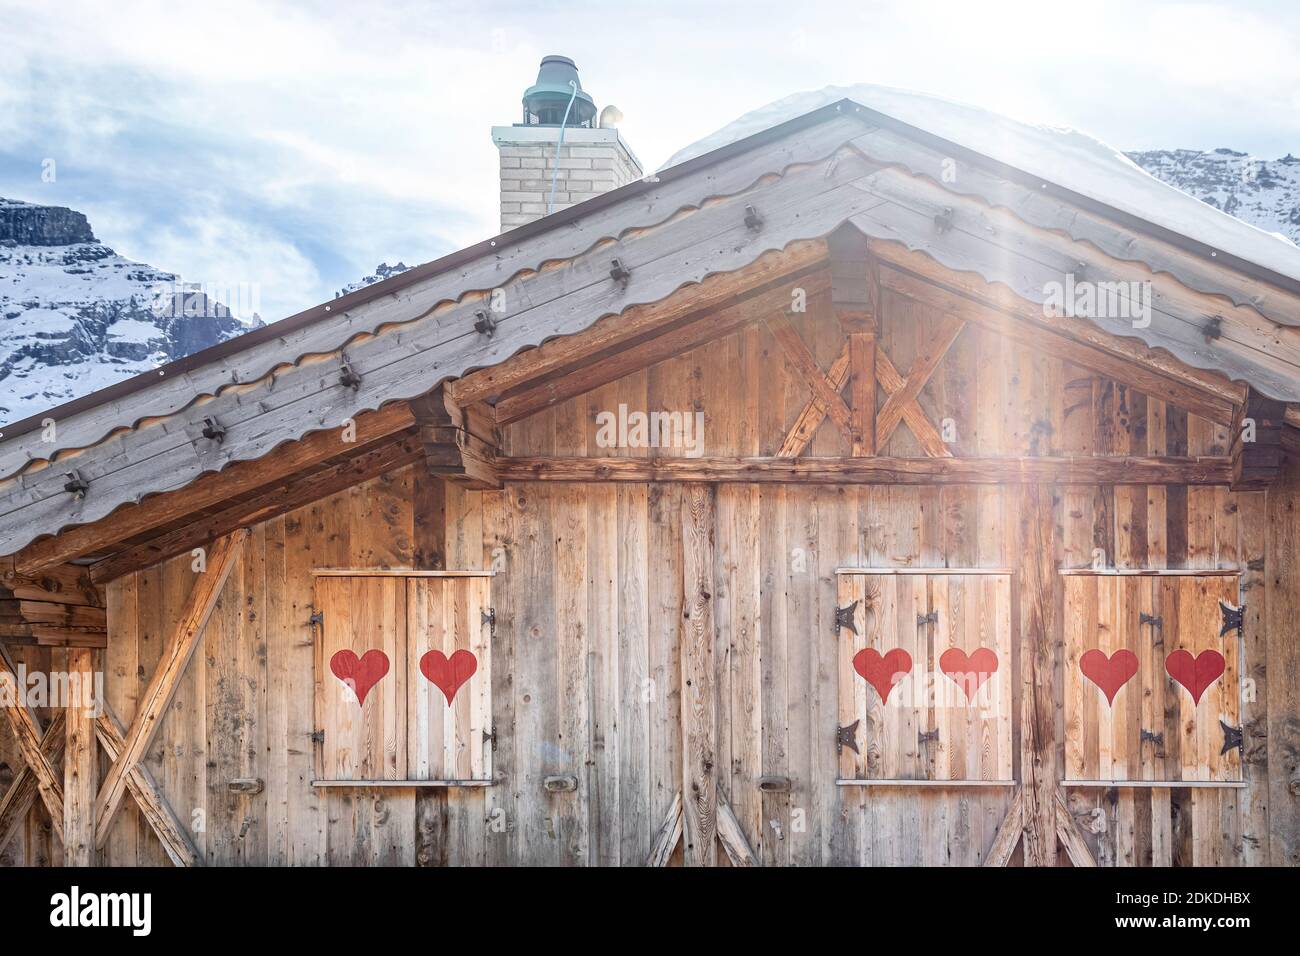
[
  {"x": 1232, "y": 739},
  {"x": 926, "y": 737},
  {"x": 318, "y": 736},
  {"x": 1147, "y": 737},
  {"x": 924, "y": 619},
  {"x": 844, "y": 618},
  {"x": 317, "y": 617}
]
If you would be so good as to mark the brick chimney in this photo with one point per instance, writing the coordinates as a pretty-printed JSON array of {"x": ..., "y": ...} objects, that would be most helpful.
[{"x": 593, "y": 158}]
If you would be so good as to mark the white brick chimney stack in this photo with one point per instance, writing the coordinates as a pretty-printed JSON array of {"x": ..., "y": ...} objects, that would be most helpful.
[{"x": 593, "y": 158}]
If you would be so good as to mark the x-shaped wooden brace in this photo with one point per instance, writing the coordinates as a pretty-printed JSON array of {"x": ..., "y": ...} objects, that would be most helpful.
[
  {"x": 39, "y": 776},
  {"x": 900, "y": 406},
  {"x": 1012, "y": 828}
]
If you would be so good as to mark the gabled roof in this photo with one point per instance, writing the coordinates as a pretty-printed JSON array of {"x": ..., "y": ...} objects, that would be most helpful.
[{"x": 805, "y": 177}]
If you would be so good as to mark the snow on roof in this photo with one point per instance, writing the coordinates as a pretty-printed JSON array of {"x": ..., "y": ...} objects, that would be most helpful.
[{"x": 1059, "y": 155}]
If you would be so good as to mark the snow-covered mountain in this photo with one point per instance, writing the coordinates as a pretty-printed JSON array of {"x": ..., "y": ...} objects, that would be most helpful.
[
  {"x": 382, "y": 271},
  {"x": 76, "y": 317},
  {"x": 1263, "y": 192}
]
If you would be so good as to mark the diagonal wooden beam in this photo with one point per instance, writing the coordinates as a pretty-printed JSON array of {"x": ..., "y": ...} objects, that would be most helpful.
[
  {"x": 175, "y": 840},
  {"x": 803, "y": 361},
  {"x": 732, "y": 837},
  {"x": 917, "y": 376},
  {"x": 813, "y": 414},
  {"x": 670, "y": 833},
  {"x": 1067, "y": 831},
  {"x": 162, "y": 686},
  {"x": 48, "y": 783},
  {"x": 19, "y": 797},
  {"x": 926, "y": 434},
  {"x": 1008, "y": 835}
]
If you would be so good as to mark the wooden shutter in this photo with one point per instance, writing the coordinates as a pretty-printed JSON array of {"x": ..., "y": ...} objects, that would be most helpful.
[
  {"x": 449, "y": 627},
  {"x": 363, "y": 623},
  {"x": 926, "y": 726},
  {"x": 1155, "y": 729}
]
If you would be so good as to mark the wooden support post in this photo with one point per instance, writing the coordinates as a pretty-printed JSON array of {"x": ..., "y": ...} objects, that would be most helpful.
[
  {"x": 699, "y": 706},
  {"x": 862, "y": 402},
  {"x": 158, "y": 695},
  {"x": 855, "y": 298},
  {"x": 1257, "y": 452},
  {"x": 18, "y": 799},
  {"x": 48, "y": 784},
  {"x": 1037, "y": 578},
  {"x": 80, "y": 767}
]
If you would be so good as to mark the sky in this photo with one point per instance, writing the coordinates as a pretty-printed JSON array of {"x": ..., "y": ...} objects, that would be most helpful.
[{"x": 293, "y": 147}]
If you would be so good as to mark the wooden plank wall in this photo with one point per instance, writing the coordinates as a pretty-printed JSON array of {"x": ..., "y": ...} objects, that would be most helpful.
[{"x": 586, "y": 661}]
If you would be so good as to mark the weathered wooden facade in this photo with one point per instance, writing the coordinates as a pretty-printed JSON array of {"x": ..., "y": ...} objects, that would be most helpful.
[{"x": 457, "y": 606}]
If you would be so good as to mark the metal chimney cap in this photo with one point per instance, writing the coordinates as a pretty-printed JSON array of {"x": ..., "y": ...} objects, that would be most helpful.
[{"x": 554, "y": 76}]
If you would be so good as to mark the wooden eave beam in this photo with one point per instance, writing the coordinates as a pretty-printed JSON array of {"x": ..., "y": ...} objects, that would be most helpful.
[
  {"x": 1118, "y": 470},
  {"x": 162, "y": 686},
  {"x": 286, "y": 497},
  {"x": 700, "y": 328},
  {"x": 240, "y": 479},
  {"x": 1128, "y": 361},
  {"x": 713, "y": 292}
]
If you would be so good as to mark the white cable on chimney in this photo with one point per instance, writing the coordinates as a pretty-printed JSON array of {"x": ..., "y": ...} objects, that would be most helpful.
[{"x": 555, "y": 173}]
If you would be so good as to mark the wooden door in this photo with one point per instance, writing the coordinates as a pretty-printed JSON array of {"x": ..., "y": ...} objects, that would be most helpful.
[
  {"x": 361, "y": 678},
  {"x": 450, "y": 663},
  {"x": 927, "y": 676},
  {"x": 1152, "y": 680}
]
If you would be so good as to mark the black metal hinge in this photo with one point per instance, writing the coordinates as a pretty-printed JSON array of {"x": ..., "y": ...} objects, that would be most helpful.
[
  {"x": 1147, "y": 737},
  {"x": 1145, "y": 618},
  {"x": 844, "y": 618},
  {"x": 1232, "y": 739},
  {"x": 931, "y": 618},
  {"x": 847, "y": 737},
  {"x": 1234, "y": 618},
  {"x": 489, "y": 618},
  {"x": 492, "y": 737}
]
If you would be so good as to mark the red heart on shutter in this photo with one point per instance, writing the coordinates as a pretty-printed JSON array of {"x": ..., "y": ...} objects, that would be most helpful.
[
  {"x": 1109, "y": 673},
  {"x": 360, "y": 674},
  {"x": 882, "y": 673},
  {"x": 969, "y": 673},
  {"x": 446, "y": 674},
  {"x": 1195, "y": 673}
]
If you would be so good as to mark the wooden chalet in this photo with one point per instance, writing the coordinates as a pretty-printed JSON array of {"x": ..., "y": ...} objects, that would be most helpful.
[{"x": 946, "y": 577}]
